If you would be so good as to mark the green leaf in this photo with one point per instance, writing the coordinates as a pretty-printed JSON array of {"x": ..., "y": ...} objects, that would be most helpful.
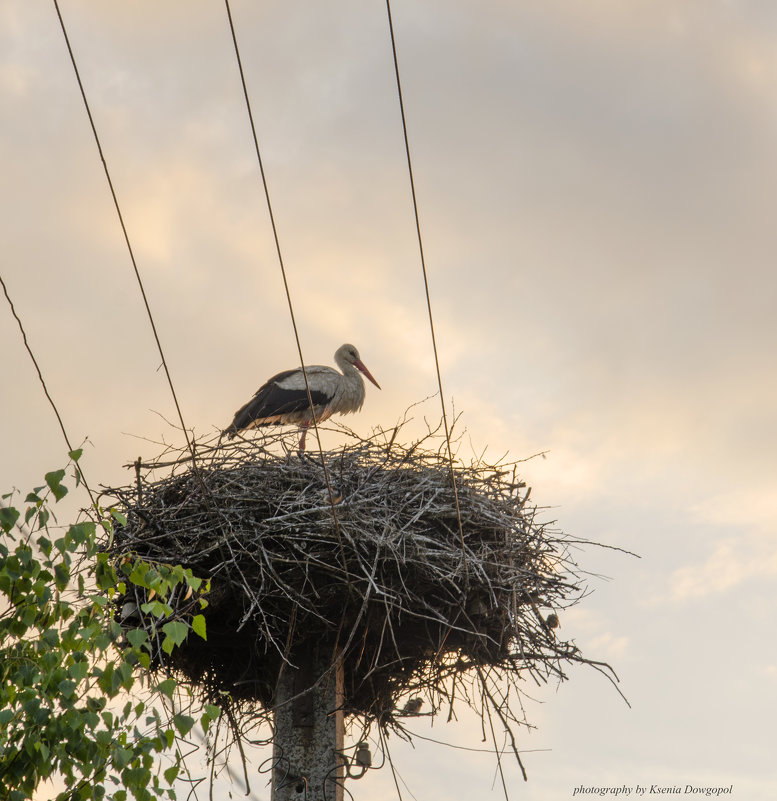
[
  {"x": 54, "y": 481},
  {"x": 65, "y": 662},
  {"x": 78, "y": 670},
  {"x": 109, "y": 681},
  {"x": 176, "y": 630},
  {"x": 122, "y": 757},
  {"x": 82, "y": 532},
  {"x": 103, "y": 738},
  {"x": 183, "y": 723},
  {"x": 61, "y": 575},
  {"x": 198, "y": 626},
  {"x": 50, "y": 637},
  {"x": 211, "y": 713},
  {"x": 167, "y": 687},
  {"x": 194, "y": 582},
  {"x": 118, "y": 516},
  {"x": 99, "y": 600},
  {"x": 157, "y": 609},
  {"x": 125, "y": 675},
  {"x": 138, "y": 573},
  {"x": 43, "y": 517},
  {"x": 104, "y": 574},
  {"x": 44, "y": 543},
  {"x": 137, "y": 637},
  {"x": 8, "y": 517},
  {"x": 76, "y": 454}
]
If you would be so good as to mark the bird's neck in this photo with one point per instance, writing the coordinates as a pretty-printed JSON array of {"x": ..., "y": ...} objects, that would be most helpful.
[{"x": 347, "y": 369}]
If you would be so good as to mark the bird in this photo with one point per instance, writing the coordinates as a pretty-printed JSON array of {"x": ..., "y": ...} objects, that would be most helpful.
[
  {"x": 412, "y": 707},
  {"x": 283, "y": 399}
]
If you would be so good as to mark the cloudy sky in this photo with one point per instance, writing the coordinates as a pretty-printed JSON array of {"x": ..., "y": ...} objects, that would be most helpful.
[{"x": 596, "y": 183}]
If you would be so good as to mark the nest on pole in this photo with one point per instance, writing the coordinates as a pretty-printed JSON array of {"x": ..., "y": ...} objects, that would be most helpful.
[{"x": 416, "y": 589}]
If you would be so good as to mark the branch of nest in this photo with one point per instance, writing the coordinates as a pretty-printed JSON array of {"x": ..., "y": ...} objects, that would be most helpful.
[{"x": 387, "y": 585}]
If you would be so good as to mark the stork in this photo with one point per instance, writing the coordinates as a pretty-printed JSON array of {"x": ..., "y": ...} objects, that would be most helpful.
[{"x": 284, "y": 400}]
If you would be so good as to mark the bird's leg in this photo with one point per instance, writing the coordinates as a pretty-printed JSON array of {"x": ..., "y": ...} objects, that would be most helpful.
[{"x": 304, "y": 427}]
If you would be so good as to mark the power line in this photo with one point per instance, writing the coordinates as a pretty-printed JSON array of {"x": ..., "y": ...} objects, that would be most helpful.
[
  {"x": 468, "y": 748},
  {"x": 426, "y": 283},
  {"x": 126, "y": 235},
  {"x": 46, "y": 390},
  {"x": 276, "y": 239}
]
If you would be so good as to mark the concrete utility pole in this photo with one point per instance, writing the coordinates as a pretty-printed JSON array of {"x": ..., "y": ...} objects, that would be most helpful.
[{"x": 308, "y": 741}]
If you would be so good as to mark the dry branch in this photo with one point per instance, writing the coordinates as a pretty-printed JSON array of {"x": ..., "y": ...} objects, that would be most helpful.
[{"x": 382, "y": 586}]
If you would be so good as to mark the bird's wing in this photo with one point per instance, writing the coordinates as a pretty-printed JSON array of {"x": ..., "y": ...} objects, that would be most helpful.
[
  {"x": 284, "y": 394},
  {"x": 321, "y": 379}
]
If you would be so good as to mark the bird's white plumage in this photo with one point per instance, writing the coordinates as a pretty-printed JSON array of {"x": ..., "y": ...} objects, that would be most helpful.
[{"x": 284, "y": 398}]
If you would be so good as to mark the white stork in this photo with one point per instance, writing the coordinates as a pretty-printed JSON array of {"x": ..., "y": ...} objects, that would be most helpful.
[{"x": 284, "y": 400}]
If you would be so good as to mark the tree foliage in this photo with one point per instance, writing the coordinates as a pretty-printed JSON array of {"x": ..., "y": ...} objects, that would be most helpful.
[{"x": 70, "y": 673}]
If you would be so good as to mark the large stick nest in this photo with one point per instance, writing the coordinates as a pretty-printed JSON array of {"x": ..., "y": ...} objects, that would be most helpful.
[{"x": 412, "y": 585}]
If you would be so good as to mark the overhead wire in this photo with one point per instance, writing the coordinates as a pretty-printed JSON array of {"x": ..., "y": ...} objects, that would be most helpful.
[
  {"x": 287, "y": 290},
  {"x": 497, "y": 753},
  {"x": 271, "y": 213},
  {"x": 394, "y": 773},
  {"x": 47, "y": 393},
  {"x": 426, "y": 285},
  {"x": 276, "y": 238},
  {"x": 189, "y": 443},
  {"x": 469, "y": 748}
]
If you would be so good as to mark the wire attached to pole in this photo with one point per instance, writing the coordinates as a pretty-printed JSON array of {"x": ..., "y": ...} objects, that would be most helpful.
[{"x": 426, "y": 286}]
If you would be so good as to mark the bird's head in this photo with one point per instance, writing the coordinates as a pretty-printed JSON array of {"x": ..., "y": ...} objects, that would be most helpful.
[{"x": 347, "y": 354}]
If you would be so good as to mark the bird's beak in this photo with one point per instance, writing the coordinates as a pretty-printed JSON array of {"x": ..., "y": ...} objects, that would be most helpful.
[{"x": 359, "y": 364}]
